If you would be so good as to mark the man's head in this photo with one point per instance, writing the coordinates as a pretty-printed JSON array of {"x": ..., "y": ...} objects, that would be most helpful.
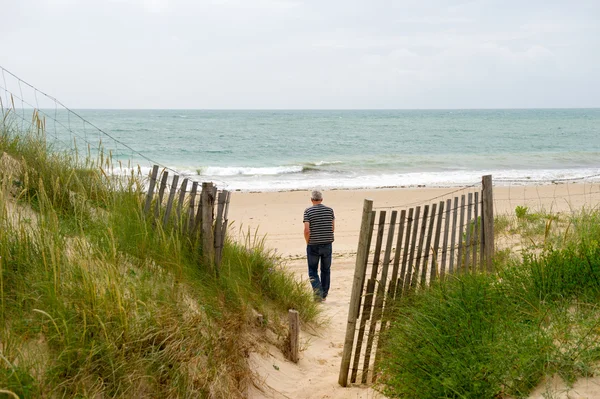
[{"x": 316, "y": 196}]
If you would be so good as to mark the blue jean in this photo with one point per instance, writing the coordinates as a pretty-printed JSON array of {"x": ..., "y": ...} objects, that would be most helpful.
[{"x": 314, "y": 254}]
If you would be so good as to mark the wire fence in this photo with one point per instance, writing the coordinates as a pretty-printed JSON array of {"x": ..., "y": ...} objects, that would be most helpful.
[{"x": 25, "y": 108}]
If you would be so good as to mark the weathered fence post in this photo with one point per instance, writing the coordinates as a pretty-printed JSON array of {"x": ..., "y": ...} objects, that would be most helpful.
[
  {"x": 191, "y": 210},
  {"x": 294, "y": 335},
  {"x": 150, "y": 193},
  {"x": 359, "y": 272},
  {"x": 219, "y": 236},
  {"x": 161, "y": 193},
  {"x": 488, "y": 220},
  {"x": 207, "y": 201},
  {"x": 181, "y": 199},
  {"x": 170, "y": 200}
]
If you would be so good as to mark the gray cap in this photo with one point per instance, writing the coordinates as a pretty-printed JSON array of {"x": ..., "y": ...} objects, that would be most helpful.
[{"x": 316, "y": 196}]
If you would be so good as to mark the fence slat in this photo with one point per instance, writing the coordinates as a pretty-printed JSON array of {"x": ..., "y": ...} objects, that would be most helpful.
[
  {"x": 150, "y": 193},
  {"x": 371, "y": 229},
  {"x": 161, "y": 193},
  {"x": 459, "y": 262},
  {"x": 207, "y": 201},
  {"x": 413, "y": 244},
  {"x": 199, "y": 214},
  {"x": 453, "y": 236},
  {"x": 182, "y": 191},
  {"x": 415, "y": 278},
  {"x": 402, "y": 281},
  {"x": 225, "y": 218},
  {"x": 481, "y": 239},
  {"x": 192, "y": 208},
  {"x": 445, "y": 242},
  {"x": 218, "y": 243},
  {"x": 362, "y": 254},
  {"x": 397, "y": 255},
  {"x": 427, "y": 248},
  {"x": 171, "y": 199},
  {"x": 488, "y": 214},
  {"x": 475, "y": 229},
  {"x": 436, "y": 242},
  {"x": 468, "y": 232}
]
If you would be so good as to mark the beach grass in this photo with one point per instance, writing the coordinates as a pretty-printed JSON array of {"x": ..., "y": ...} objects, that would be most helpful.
[
  {"x": 96, "y": 300},
  {"x": 500, "y": 335}
]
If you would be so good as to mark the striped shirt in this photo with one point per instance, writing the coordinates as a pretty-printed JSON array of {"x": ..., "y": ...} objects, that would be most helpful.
[{"x": 320, "y": 219}]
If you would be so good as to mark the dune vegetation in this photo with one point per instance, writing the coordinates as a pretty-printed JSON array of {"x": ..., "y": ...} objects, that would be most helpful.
[
  {"x": 501, "y": 335},
  {"x": 96, "y": 300}
]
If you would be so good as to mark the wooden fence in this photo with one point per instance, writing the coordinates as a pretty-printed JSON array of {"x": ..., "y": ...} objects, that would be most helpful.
[
  {"x": 422, "y": 244},
  {"x": 195, "y": 215}
]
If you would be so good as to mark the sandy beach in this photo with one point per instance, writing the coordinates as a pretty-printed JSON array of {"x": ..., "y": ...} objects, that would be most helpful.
[{"x": 277, "y": 216}]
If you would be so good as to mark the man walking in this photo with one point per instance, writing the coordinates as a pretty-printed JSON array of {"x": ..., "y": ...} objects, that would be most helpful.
[{"x": 319, "y": 224}]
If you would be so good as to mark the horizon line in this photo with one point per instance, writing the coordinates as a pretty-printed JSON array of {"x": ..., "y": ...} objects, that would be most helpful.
[{"x": 327, "y": 109}]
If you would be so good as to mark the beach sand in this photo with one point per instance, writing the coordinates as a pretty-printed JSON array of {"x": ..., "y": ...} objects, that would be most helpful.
[{"x": 277, "y": 216}]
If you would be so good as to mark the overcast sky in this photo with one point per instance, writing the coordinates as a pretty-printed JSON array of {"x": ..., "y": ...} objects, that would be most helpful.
[{"x": 316, "y": 54}]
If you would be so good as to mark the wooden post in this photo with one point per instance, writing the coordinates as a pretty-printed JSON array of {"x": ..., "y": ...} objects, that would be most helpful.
[
  {"x": 150, "y": 193},
  {"x": 482, "y": 264},
  {"x": 467, "y": 247},
  {"x": 225, "y": 218},
  {"x": 428, "y": 245},
  {"x": 397, "y": 256},
  {"x": 453, "y": 236},
  {"x": 294, "y": 334},
  {"x": 171, "y": 199},
  {"x": 445, "y": 241},
  {"x": 415, "y": 277},
  {"x": 404, "y": 271},
  {"x": 488, "y": 220},
  {"x": 475, "y": 229},
  {"x": 371, "y": 228},
  {"x": 413, "y": 244},
  {"x": 161, "y": 193},
  {"x": 198, "y": 217},
  {"x": 436, "y": 243},
  {"x": 359, "y": 272},
  {"x": 222, "y": 197},
  {"x": 207, "y": 201},
  {"x": 181, "y": 199},
  {"x": 192, "y": 208},
  {"x": 461, "y": 230}
]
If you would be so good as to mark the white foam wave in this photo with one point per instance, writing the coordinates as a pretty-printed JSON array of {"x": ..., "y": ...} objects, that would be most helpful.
[
  {"x": 324, "y": 163},
  {"x": 249, "y": 171},
  {"x": 417, "y": 179}
]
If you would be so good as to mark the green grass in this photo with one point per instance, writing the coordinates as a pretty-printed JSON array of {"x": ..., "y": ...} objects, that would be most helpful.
[
  {"x": 95, "y": 300},
  {"x": 499, "y": 335}
]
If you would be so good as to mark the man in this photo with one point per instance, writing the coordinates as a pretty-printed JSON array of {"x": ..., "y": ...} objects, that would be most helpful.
[{"x": 319, "y": 224}]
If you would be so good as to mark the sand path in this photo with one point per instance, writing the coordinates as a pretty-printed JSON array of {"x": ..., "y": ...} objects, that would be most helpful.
[
  {"x": 278, "y": 217},
  {"x": 316, "y": 373}
]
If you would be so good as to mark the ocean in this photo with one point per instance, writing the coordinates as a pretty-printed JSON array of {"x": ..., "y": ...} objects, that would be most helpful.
[{"x": 304, "y": 149}]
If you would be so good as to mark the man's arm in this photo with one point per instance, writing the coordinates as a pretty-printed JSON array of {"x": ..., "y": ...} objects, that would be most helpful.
[
  {"x": 333, "y": 225},
  {"x": 307, "y": 231}
]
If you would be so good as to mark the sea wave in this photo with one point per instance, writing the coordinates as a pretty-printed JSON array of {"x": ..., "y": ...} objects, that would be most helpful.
[{"x": 249, "y": 171}]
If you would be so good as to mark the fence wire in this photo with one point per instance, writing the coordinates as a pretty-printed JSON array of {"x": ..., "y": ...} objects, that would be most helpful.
[{"x": 22, "y": 106}]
